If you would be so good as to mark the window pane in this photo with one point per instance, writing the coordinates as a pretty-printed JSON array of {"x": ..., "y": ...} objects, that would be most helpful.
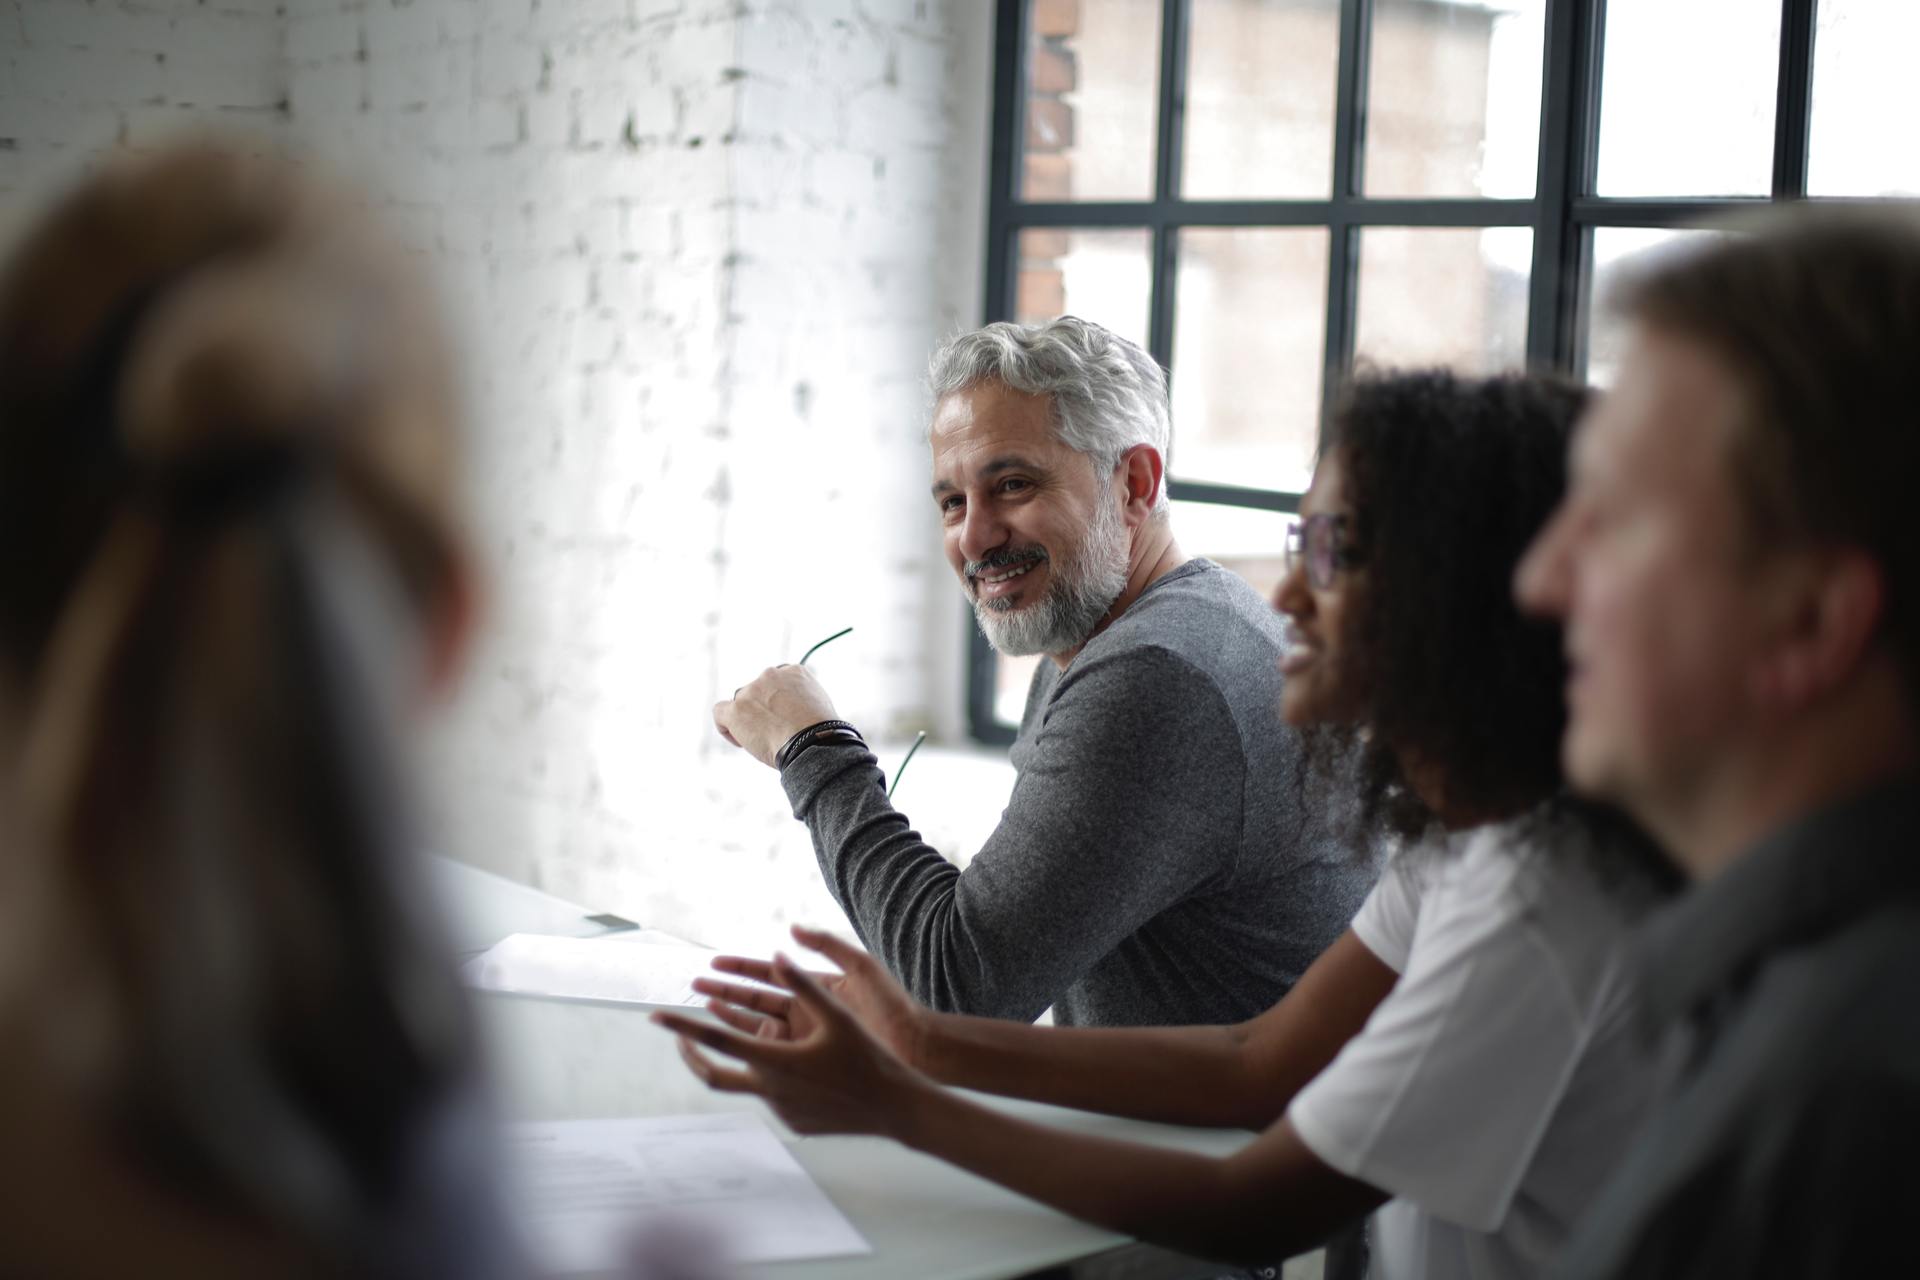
[
  {"x": 1864, "y": 110},
  {"x": 1246, "y": 540},
  {"x": 1260, "y": 83},
  {"x": 1453, "y": 98},
  {"x": 1614, "y": 249},
  {"x": 1102, "y": 276},
  {"x": 1249, "y": 345},
  {"x": 1687, "y": 96},
  {"x": 1093, "y": 71},
  {"x": 1451, "y": 297}
]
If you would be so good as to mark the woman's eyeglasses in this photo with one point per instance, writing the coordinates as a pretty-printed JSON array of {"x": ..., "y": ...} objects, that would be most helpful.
[{"x": 1320, "y": 542}]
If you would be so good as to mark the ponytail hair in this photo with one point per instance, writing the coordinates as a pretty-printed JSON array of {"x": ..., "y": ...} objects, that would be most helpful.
[{"x": 225, "y": 497}]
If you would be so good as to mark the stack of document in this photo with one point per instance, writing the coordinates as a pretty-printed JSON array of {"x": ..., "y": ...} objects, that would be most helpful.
[
  {"x": 638, "y": 967},
  {"x": 592, "y": 1193}
]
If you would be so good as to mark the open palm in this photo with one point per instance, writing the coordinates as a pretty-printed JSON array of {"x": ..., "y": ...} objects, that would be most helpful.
[
  {"x": 862, "y": 987},
  {"x": 822, "y": 1071}
]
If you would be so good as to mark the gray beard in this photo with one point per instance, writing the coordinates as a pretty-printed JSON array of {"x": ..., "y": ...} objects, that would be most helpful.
[{"x": 1082, "y": 591}]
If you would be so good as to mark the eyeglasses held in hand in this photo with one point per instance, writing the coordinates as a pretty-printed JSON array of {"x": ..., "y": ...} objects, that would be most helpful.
[
  {"x": 918, "y": 738},
  {"x": 1320, "y": 541},
  {"x": 816, "y": 648}
]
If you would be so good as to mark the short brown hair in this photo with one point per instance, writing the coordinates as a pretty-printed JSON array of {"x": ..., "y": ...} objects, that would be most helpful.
[{"x": 1816, "y": 312}]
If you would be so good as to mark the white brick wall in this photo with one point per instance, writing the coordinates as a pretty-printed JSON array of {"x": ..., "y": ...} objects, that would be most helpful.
[
  {"x": 698, "y": 251},
  {"x": 78, "y": 77}
]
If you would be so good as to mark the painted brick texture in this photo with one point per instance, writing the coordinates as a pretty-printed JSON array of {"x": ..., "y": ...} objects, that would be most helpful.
[{"x": 697, "y": 253}]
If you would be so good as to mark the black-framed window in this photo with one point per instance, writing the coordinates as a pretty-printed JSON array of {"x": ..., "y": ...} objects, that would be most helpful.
[{"x": 1263, "y": 191}]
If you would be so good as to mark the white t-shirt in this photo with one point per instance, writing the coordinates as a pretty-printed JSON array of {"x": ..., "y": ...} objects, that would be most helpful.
[{"x": 1499, "y": 1082}]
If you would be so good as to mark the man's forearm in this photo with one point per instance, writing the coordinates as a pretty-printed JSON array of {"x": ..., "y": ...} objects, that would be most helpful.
[
  {"x": 900, "y": 893},
  {"x": 1175, "y": 1075}
]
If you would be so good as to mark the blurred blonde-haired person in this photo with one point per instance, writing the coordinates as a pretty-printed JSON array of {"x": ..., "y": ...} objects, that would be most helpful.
[{"x": 231, "y": 573}]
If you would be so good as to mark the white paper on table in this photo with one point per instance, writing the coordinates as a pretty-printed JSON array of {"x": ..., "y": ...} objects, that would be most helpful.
[
  {"x": 587, "y": 1186},
  {"x": 629, "y": 967}
]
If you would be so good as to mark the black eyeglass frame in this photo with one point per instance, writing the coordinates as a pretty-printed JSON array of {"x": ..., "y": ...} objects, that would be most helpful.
[{"x": 1320, "y": 542}]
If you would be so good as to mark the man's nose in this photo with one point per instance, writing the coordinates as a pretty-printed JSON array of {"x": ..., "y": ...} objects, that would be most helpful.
[
  {"x": 981, "y": 531},
  {"x": 1540, "y": 579},
  {"x": 1291, "y": 596}
]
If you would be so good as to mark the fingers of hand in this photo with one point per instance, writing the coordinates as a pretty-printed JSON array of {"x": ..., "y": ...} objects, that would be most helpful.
[
  {"x": 722, "y": 712},
  {"x": 758, "y": 999},
  {"x": 807, "y": 988},
  {"x": 756, "y": 688},
  {"x": 720, "y": 1039},
  {"x": 712, "y": 1074},
  {"x": 746, "y": 1023},
  {"x": 744, "y": 967},
  {"x": 844, "y": 954}
]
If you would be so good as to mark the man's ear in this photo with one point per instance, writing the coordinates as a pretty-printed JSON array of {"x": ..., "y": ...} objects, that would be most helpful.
[
  {"x": 1832, "y": 612},
  {"x": 1143, "y": 472}
]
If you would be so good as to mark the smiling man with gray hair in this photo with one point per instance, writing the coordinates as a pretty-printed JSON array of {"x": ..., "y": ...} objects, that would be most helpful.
[{"x": 1155, "y": 864}]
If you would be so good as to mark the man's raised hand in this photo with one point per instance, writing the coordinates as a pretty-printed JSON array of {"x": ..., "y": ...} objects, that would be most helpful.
[{"x": 775, "y": 705}]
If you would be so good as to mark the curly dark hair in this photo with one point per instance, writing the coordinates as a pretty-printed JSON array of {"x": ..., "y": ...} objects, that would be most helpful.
[{"x": 1448, "y": 479}]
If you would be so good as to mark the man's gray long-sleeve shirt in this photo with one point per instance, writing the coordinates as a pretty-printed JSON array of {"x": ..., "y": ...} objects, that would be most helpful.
[{"x": 1154, "y": 865}]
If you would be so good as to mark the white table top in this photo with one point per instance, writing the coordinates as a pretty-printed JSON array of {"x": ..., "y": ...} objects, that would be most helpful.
[
  {"x": 926, "y": 1220},
  {"x": 480, "y": 908}
]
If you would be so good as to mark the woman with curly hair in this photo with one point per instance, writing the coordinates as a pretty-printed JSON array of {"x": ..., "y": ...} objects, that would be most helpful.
[{"x": 1462, "y": 1059}]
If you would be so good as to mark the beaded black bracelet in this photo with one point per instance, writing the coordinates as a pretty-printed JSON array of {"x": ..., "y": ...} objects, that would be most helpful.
[{"x": 813, "y": 735}]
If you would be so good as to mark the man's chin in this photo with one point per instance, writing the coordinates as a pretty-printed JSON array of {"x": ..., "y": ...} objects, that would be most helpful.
[
  {"x": 1008, "y": 629},
  {"x": 1589, "y": 767}
]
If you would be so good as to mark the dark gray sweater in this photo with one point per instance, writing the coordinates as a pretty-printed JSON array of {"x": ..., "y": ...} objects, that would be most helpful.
[{"x": 1154, "y": 865}]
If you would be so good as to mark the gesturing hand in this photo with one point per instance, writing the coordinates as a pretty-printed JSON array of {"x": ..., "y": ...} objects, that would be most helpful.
[
  {"x": 874, "y": 999},
  {"x": 833, "y": 1077}
]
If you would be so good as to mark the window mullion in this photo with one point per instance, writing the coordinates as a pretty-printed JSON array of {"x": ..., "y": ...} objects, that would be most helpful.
[
  {"x": 1174, "y": 17},
  {"x": 1173, "y": 100},
  {"x": 1349, "y": 155},
  {"x": 1233, "y": 495},
  {"x": 1010, "y": 30},
  {"x": 1569, "y": 136},
  {"x": 1793, "y": 109}
]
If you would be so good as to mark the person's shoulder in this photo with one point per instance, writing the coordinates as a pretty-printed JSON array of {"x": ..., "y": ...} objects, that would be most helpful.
[
  {"x": 1827, "y": 1025},
  {"x": 1202, "y": 612},
  {"x": 1199, "y": 648},
  {"x": 1843, "y": 1075},
  {"x": 1556, "y": 853},
  {"x": 1149, "y": 668},
  {"x": 1860, "y": 985},
  {"x": 1529, "y": 879},
  {"x": 1202, "y": 583},
  {"x": 1484, "y": 863}
]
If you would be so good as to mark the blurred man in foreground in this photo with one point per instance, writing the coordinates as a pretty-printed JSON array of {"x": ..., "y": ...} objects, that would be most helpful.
[{"x": 1739, "y": 576}]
